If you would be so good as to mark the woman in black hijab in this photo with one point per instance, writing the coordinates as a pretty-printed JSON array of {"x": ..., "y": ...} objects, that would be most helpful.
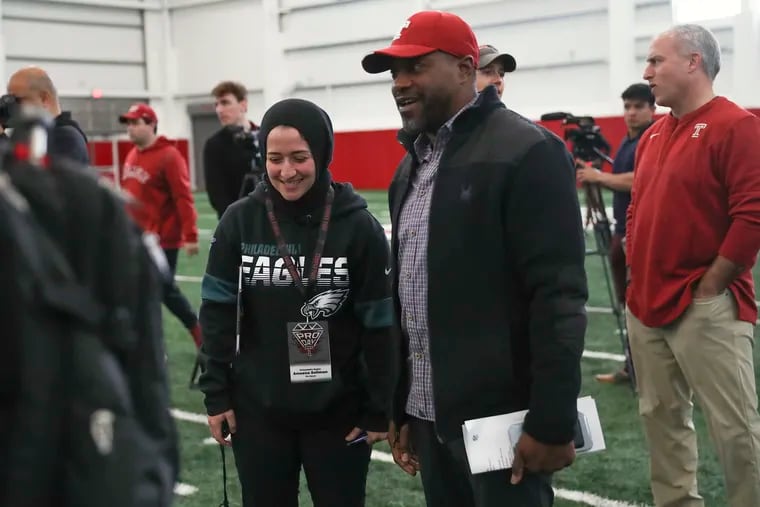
[{"x": 296, "y": 317}]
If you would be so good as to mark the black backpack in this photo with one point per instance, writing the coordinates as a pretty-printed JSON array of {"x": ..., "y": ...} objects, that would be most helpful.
[{"x": 85, "y": 398}]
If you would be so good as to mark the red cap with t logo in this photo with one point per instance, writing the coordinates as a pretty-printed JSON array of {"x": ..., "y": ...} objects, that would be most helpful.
[{"x": 422, "y": 34}]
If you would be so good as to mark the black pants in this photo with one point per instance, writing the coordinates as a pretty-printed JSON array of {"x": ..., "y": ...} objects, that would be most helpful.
[
  {"x": 448, "y": 482},
  {"x": 617, "y": 262},
  {"x": 174, "y": 300},
  {"x": 269, "y": 459}
]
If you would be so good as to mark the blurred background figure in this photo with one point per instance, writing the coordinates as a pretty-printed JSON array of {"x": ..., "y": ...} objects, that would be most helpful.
[
  {"x": 492, "y": 66},
  {"x": 230, "y": 156},
  {"x": 156, "y": 176}
]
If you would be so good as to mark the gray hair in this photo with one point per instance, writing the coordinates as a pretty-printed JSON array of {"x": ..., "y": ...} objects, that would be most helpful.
[{"x": 698, "y": 39}]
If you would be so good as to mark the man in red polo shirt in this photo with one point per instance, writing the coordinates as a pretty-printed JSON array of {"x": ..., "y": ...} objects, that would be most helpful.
[
  {"x": 156, "y": 175},
  {"x": 693, "y": 233}
]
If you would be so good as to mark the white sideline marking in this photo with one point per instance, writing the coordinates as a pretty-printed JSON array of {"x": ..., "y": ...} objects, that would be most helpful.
[
  {"x": 382, "y": 456},
  {"x": 590, "y": 354},
  {"x": 185, "y": 278},
  {"x": 590, "y": 499},
  {"x": 188, "y": 416},
  {"x": 182, "y": 489},
  {"x": 598, "y": 309},
  {"x": 574, "y": 496}
]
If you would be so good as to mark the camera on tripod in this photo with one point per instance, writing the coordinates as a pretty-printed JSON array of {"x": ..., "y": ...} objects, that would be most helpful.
[
  {"x": 248, "y": 140},
  {"x": 588, "y": 142}
]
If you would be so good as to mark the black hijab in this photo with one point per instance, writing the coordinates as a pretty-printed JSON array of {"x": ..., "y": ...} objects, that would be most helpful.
[{"x": 316, "y": 129}]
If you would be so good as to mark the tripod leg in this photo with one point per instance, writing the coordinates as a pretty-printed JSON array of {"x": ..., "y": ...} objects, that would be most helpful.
[
  {"x": 603, "y": 251},
  {"x": 194, "y": 374}
]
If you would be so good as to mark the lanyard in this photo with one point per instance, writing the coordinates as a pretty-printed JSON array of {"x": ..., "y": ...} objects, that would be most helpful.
[{"x": 319, "y": 247}]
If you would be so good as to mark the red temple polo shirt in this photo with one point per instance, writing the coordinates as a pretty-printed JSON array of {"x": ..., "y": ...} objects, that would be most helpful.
[{"x": 696, "y": 195}]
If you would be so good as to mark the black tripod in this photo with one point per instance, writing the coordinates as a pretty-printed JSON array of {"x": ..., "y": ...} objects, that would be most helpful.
[
  {"x": 597, "y": 215},
  {"x": 197, "y": 369}
]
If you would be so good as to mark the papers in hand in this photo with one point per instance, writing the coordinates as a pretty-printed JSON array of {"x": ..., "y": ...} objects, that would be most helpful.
[{"x": 490, "y": 441}]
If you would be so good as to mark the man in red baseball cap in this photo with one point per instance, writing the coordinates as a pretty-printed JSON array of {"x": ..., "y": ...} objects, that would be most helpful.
[
  {"x": 489, "y": 282},
  {"x": 157, "y": 177},
  {"x": 137, "y": 111}
]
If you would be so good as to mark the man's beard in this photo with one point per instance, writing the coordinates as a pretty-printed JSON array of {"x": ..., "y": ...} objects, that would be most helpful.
[{"x": 430, "y": 119}]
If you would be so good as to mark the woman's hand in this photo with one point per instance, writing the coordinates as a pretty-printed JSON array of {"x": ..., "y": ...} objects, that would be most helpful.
[{"x": 372, "y": 436}]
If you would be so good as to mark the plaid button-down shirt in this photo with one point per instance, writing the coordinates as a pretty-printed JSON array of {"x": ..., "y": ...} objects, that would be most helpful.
[{"x": 413, "y": 275}]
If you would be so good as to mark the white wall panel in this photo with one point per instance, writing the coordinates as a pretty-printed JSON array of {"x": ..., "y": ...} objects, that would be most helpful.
[
  {"x": 562, "y": 47},
  {"x": 581, "y": 89},
  {"x": 332, "y": 65},
  {"x": 345, "y": 22},
  {"x": 25, "y": 9},
  {"x": 86, "y": 76},
  {"x": 652, "y": 18},
  {"x": 359, "y": 107},
  {"x": 49, "y": 40},
  {"x": 216, "y": 42},
  {"x": 514, "y": 12}
]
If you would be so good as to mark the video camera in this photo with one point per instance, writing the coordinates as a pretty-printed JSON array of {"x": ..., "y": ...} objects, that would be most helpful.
[
  {"x": 9, "y": 109},
  {"x": 588, "y": 142},
  {"x": 248, "y": 140}
]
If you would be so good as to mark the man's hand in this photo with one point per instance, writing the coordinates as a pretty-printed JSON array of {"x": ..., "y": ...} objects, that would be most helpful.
[
  {"x": 532, "y": 455},
  {"x": 215, "y": 425},
  {"x": 191, "y": 249},
  {"x": 705, "y": 291},
  {"x": 588, "y": 174},
  {"x": 372, "y": 436},
  {"x": 401, "y": 448}
]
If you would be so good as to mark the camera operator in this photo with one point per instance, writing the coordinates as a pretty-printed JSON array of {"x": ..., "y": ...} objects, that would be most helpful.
[
  {"x": 230, "y": 157},
  {"x": 33, "y": 87},
  {"x": 638, "y": 106},
  {"x": 492, "y": 66}
]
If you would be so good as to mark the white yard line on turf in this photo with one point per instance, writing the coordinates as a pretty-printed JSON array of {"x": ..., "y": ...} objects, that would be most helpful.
[
  {"x": 183, "y": 489},
  {"x": 574, "y": 496},
  {"x": 591, "y": 354},
  {"x": 184, "y": 278},
  {"x": 591, "y": 499},
  {"x": 189, "y": 416}
]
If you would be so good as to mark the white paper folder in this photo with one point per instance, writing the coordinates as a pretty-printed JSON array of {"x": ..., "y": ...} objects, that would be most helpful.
[{"x": 490, "y": 441}]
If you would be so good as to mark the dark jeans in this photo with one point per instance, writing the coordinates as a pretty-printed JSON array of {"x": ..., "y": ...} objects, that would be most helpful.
[
  {"x": 269, "y": 457},
  {"x": 174, "y": 300},
  {"x": 448, "y": 482}
]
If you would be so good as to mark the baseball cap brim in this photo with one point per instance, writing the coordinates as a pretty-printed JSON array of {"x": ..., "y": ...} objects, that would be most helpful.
[
  {"x": 507, "y": 60},
  {"x": 380, "y": 60},
  {"x": 129, "y": 116}
]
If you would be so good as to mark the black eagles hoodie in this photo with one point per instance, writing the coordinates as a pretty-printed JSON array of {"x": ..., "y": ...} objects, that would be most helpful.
[{"x": 351, "y": 293}]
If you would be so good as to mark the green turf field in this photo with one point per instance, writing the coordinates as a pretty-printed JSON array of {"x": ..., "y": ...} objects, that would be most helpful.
[{"x": 620, "y": 473}]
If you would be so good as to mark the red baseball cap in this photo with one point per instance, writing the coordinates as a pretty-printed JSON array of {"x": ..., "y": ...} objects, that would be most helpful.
[
  {"x": 422, "y": 34},
  {"x": 139, "y": 110}
]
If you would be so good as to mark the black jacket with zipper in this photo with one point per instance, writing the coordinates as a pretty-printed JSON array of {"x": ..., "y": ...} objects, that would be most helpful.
[
  {"x": 356, "y": 258},
  {"x": 505, "y": 265}
]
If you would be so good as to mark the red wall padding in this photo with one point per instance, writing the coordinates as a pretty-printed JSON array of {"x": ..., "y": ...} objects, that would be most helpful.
[{"x": 367, "y": 159}]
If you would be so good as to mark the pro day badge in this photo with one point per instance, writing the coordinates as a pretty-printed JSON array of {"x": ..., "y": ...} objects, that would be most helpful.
[{"x": 309, "y": 341}]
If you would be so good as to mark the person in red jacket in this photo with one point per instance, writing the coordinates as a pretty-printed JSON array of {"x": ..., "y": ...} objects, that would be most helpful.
[
  {"x": 156, "y": 176},
  {"x": 693, "y": 233}
]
